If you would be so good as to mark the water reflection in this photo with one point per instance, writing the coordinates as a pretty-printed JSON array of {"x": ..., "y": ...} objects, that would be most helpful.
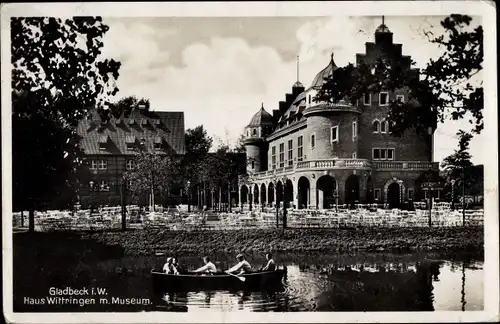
[
  {"x": 385, "y": 286},
  {"x": 360, "y": 282}
]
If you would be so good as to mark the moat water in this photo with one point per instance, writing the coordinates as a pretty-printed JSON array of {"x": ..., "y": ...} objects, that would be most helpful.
[{"x": 315, "y": 282}]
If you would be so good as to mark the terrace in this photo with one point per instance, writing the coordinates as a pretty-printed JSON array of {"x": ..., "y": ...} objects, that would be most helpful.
[{"x": 356, "y": 164}]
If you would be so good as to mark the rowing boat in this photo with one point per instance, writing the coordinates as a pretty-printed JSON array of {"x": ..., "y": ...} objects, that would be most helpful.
[{"x": 255, "y": 281}]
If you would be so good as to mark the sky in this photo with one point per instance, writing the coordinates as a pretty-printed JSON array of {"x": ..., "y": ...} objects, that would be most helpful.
[{"x": 219, "y": 71}]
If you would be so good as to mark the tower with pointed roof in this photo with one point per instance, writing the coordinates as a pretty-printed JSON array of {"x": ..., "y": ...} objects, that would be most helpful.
[
  {"x": 255, "y": 134},
  {"x": 316, "y": 154}
]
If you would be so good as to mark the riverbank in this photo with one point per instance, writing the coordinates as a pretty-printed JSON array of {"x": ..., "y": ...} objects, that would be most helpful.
[{"x": 154, "y": 241}]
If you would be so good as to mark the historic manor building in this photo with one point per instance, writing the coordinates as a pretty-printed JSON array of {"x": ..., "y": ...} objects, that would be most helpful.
[
  {"x": 111, "y": 145},
  {"x": 319, "y": 154}
]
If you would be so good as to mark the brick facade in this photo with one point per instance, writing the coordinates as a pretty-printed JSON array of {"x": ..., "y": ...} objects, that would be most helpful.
[{"x": 358, "y": 161}]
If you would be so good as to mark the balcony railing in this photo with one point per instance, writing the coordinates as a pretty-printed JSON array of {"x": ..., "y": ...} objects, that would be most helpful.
[
  {"x": 362, "y": 164},
  {"x": 408, "y": 166}
]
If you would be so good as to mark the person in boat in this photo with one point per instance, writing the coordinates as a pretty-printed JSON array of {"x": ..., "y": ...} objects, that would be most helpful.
[
  {"x": 209, "y": 267},
  {"x": 271, "y": 265},
  {"x": 176, "y": 264},
  {"x": 169, "y": 267},
  {"x": 242, "y": 267}
]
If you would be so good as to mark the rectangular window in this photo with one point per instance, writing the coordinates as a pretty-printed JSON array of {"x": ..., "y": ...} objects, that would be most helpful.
[
  {"x": 282, "y": 155},
  {"x": 354, "y": 155},
  {"x": 253, "y": 165},
  {"x": 400, "y": 98},
  {"x": 390, "y": 154},
  {"x": 273, "y": 157},
  {"x": 354, "y": 129},
  {"x": 313, "y": 141},
  {"x": 130, "y": 164},
  {"x": 367, "y": 99},
  {"x": 383, "y": 99},
  {"x": 300, "y": 148},
  {"x": 383, "y": 154},
  {"x": 93, "y": 165},
  {"x": 377, "y": 194},
  {"x": 103, "y": 165},
  {"x": 290, "y": 152},
  {"x": 334, "y": 134}
]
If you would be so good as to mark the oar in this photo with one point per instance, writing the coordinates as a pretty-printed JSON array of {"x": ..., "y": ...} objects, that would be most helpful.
[{"x": 242, "y": 279}]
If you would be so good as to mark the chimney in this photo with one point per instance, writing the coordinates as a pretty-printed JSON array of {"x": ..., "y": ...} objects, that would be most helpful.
[{"x": 289, "y": 99}]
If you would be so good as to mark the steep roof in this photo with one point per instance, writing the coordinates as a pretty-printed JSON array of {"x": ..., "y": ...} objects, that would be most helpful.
[
  {"x": 262, "y": 117},
  {"x": 296, "y": 107},
  {"x": 319, "y": 80},
  {"x": 152, "y": 126}
]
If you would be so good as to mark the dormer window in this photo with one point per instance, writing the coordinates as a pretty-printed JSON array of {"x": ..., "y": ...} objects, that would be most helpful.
[
  {"x": 158, "y": 143},
  {"x": 103, "y": 141},
  {"x": 130, "y": 141},
  {"x": 157, "y": 122},
  {"x": 144, "y": 122},
  {"x": 131, "y": 121}
]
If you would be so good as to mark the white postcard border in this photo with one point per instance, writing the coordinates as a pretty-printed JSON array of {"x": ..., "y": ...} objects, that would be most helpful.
[{"x": 247, "y": 9}]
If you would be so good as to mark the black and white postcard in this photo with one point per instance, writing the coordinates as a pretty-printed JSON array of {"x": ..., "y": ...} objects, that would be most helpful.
[{"x": 250, "y": 162}]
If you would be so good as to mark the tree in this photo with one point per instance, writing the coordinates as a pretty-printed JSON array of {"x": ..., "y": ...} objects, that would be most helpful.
[
  {"x": 124, "y": 107},
  {"x": 57, "y": 77},
  {"x": 458, "y": 166},
  {"x": 240, "y": 146},
  {"x": 441, "y": 91},
  {"x": 198, "y": 144},
  {"x": 152, "y": 174}
]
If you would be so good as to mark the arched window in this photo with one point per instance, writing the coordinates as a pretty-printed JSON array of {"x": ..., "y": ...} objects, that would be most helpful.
[
  {"x": 254, "y": 132},
  {"x": 383, "y": 126},
  {"x": 376, "y": 126},
  {"x": 389, "y": 127}
]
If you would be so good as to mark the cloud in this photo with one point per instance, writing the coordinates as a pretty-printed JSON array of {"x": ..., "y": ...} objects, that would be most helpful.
[{"x": 136, "y": 46}]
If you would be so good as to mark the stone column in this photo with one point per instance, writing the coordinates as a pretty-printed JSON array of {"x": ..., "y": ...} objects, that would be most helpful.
[
  {"x": 312, "y": 196},
  {"x": 275, "y": 194},
  {"x": 363, "y": 188},
  {"x": 296, "y": 193},
  {"x": 239, "y": 197},
  {"x": 320, "y": 198},
  {"x": 341, "y": 190}
]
